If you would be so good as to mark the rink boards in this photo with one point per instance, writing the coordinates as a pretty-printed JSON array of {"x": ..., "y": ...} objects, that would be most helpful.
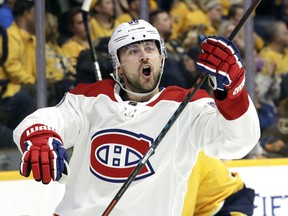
[{"x": 269, "y": 178}]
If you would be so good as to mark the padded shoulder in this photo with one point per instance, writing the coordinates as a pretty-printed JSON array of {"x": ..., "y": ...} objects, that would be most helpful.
[
  {"x": 178, "y": 94},
  {"x": 94, "y": 89}
]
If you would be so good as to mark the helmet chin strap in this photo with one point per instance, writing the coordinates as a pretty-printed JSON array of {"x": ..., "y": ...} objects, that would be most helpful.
[{"x": 117, "y": 80}]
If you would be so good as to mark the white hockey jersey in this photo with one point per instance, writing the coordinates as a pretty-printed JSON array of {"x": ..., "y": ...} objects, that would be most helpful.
[{"x": 110, "y": 135}]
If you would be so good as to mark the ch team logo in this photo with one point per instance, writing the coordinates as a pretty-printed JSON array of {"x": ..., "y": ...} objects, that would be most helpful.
[{"x": 115, "y": 153}]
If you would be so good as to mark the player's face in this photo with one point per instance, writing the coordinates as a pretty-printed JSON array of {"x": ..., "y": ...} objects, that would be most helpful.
[{"x": 140, "y": 66}]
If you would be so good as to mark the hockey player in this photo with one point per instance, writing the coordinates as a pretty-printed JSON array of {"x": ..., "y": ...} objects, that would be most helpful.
[
  {"x": 214, "y": 190},
  {"x": 111, "y": 124}
]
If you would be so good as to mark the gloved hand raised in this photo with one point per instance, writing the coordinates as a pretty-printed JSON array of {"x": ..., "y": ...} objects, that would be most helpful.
[
  {"x": 221, "y": 60},
  {"x": 44, "y": 154}
]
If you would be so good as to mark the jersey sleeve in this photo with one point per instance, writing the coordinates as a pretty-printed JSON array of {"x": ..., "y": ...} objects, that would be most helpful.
[
  {"x": 227, "y": 132},
  {"x": 64, "y": 119},
  {"x": 70, "y": 118}
]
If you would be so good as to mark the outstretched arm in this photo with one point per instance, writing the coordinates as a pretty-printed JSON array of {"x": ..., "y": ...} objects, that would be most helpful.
[{"x": 237, "y": 125}]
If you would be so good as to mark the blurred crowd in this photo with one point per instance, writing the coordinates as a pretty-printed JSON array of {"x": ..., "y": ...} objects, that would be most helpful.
[{"x": 183, "y": 25}]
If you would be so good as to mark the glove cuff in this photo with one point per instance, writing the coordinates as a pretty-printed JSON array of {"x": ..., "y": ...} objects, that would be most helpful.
[
  {"x": 35, "y": 130},
  {"x": 233, "y": 108},
  {"x": 65, "y": 173}
]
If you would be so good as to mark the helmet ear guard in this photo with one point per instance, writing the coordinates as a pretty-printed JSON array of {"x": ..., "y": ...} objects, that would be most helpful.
[
  {"x": 163, "y": 53},
  {"x": 113, "y": 61},
  {"x": 163, "y": 50}
]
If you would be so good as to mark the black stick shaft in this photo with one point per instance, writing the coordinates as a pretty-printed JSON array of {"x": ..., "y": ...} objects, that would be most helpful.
[
  {"x": 172, "y": 120},
  {"x": 97, "y": 71}
]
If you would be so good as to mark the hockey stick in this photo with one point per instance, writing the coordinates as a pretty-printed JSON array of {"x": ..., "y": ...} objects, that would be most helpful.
[
  {"x": 85, "y": 11},
  {"x": 172, "y": 120}
]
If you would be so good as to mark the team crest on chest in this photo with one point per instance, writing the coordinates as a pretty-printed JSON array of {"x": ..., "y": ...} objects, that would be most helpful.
[{"x": 115, "y": 153}]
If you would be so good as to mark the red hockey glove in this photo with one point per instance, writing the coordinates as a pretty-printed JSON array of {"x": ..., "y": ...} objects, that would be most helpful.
[
  {"x": 44, "y": 154},
  {"x": 221, "y": 59}
]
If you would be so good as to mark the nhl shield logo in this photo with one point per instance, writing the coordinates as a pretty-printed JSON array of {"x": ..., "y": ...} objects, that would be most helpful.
[{"x": 115, "y": 153}]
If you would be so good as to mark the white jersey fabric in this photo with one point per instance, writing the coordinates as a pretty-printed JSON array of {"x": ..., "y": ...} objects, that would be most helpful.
[{"x": 110, "y": 135}]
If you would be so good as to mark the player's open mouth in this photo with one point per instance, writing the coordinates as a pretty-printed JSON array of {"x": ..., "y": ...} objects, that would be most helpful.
[{"x": 146, "y": 70}]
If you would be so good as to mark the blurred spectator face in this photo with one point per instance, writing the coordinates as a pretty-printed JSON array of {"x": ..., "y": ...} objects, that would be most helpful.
[
  {"x": 226, "y": 29},
  {"x": 134, "y": 5},
  {"x": 77, "y": 26},
  {"x": 30, "y": 18},
  {"x": 229, "y": 29},
  {"x": 106, "y": 7},
  {"x": 238, "y": 15},
  {"x": 164, "y": 25},
  {"x": 191, "y": 38},
  {"x": 283, "y": 34},
  {"x": 24, "y": 12},
  {"x": 215, "y": 14},
  {"x": 51, "y": 28},
  {"x": 189, "y": 64}
]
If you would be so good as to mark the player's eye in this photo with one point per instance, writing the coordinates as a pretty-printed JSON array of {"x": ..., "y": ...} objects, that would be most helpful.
[
  {"x": 132, "y": 50},
  {"x": 150, "y": 48}
]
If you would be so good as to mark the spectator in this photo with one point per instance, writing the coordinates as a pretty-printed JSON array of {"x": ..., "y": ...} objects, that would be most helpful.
[
  {"x": 178, "y": 12},
  {"x": 196, "y": 17},
  {"x": 235, "y": 13},
  {"x": 77, "y": 38},
  {"x": 18, "y": 73},
  {"x": 103, "y": 19},
  {"x": 275, "y": 50},
  {"x": 85, "y": 68},
  {"x": 173, "y": 73},
  {"x": 189, "y": 62},
  {"x": 133, "y": 12},
  {"x": 214, "y": 13},
  {"x": 267, "y": 113},
  {"x": 266, "y": 89},
  {"x": 268, "y": 84},
  {"x": 275, "y": 53},
  {"x": 202, "y": 14},
  {"x": 214, "y": 190},
  {"x": 122, "y": 6},
  {"x": 275, "y": 138},
  {"x": 226, "y": 28},
  {"x": 58, "y": 67}
]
